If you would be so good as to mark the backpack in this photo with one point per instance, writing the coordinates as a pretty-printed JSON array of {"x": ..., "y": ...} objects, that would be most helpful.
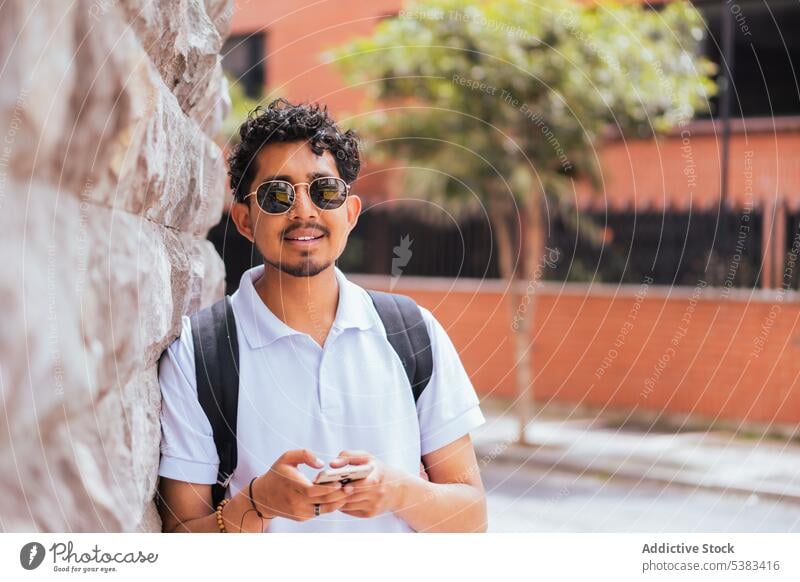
[{"x": 216, "y": 350}]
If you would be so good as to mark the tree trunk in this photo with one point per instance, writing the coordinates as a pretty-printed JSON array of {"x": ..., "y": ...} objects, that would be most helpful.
[
  {"x": 532, "y": 254},
  {"x": 520, "y": 300},
  {"x": 500, "y": 212}
]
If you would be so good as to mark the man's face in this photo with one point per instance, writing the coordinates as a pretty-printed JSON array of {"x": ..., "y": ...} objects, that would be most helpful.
[{"x": 273, "y": 234}]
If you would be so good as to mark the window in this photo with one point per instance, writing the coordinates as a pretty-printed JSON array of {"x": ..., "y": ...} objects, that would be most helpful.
[
  {"x": 243, "y": 59},
  {"x": 766, "y": 54}
]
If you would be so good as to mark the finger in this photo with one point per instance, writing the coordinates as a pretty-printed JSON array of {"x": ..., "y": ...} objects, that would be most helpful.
[
  {"x": 355, "y": 506},
  {"x": 423, "y": 474},
  {"x": 330, "y": 498},
  {"x": 363, "y": 484},
  {"x": 301, "y": 456},
  {"x": 322, "y": 489},
  {"x": 359, "y": 498},
  {"x": 288, "y": 472},
  {"x": 329, "y": 507},
  {"x": 361, "y": 506},
  {"x": 352, "y": 458}
]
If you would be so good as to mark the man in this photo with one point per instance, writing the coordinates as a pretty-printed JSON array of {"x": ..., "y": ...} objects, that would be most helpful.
[{"x": 318, "y": 378}]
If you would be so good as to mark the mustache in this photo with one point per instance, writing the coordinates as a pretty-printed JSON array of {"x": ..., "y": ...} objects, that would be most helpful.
[{"x": 295, "y": 227}]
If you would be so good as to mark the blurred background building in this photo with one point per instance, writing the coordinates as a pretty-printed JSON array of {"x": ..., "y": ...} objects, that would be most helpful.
[{"x": 701, "y": 230}]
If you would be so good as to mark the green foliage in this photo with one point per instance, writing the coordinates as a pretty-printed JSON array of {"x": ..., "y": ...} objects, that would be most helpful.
[
  {"x": 241, "y": 105},
  {"x": 472, "y": 93}
]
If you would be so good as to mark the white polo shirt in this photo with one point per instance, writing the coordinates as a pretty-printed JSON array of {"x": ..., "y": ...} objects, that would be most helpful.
[{"x": 353, "y": 393}]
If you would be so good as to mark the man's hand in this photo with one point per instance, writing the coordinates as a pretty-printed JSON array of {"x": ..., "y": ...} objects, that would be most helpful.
[
  {"x": 285, "y": 492},
  {"x": 380, "y": 492}
]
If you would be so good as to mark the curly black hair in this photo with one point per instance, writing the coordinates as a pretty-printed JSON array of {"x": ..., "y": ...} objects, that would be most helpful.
[{"x": 282, "y": 121}]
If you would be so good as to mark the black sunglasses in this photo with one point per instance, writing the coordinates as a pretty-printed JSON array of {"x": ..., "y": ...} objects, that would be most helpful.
[{"x": 278, "y": 196}]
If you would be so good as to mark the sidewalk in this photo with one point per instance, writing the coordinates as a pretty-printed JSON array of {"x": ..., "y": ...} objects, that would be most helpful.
[{"x": 717, "y": 461}]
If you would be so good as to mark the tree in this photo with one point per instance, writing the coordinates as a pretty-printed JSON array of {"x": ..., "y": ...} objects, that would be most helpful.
[
  {"x": 241, "y": 106},
  {"x": 499, "y": 106}
]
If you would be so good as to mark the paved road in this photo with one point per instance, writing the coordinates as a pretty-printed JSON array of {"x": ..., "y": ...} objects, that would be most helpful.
[{"x": 533, "y": 499}]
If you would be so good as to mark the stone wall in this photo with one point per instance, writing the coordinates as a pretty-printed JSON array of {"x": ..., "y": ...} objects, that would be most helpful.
[{"x": 109, "y": 182}]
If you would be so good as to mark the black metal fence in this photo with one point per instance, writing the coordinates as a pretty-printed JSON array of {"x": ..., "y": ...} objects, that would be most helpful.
[{"x": 671, "y": 248}]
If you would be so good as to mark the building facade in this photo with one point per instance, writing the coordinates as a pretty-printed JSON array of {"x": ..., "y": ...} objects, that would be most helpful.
[{"x": 706, "y": 218}]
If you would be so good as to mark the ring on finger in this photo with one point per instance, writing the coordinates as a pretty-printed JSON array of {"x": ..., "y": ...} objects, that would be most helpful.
[{"x": 316, "y": 510}]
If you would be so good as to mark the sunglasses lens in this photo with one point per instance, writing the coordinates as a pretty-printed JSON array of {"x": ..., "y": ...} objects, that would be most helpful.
[
  {"x": 328, "y": 193},
  {"x": 275, "y": 197}
]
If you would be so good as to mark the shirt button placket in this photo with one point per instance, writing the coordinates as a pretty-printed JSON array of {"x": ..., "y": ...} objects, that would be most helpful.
[
  {"x": 321, "y": 384},
  {"x": 326, "y": 399}
]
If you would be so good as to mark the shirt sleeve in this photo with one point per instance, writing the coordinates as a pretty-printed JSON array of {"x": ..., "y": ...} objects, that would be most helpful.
[
  {"x": 188, "y": 452},
  {"x": 448, "y": 408}
]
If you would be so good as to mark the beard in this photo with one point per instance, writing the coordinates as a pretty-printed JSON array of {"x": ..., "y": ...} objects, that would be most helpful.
[{"x": 306, "y": 267}]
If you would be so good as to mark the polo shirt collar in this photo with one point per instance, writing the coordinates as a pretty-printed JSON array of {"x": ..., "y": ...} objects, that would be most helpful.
[{"x": 261, "y": 327}]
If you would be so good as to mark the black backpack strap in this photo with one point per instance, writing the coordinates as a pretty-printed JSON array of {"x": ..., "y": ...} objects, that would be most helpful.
[
  {"x": 406, "y": 331},
  {"x": 216, "y": 363}
]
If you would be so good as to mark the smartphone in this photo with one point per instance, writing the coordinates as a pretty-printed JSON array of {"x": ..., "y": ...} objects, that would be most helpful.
[{"x": 344, "y": 474}]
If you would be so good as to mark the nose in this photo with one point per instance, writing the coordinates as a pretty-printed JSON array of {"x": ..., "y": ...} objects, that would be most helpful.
[{"x": 303, "y": 207}]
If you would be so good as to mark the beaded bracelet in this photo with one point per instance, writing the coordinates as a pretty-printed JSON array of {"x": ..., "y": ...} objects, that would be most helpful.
[{"x": 220, "y": 521}]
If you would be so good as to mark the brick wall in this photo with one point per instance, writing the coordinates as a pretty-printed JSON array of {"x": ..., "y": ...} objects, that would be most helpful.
[{"x": 731, "y": 356}]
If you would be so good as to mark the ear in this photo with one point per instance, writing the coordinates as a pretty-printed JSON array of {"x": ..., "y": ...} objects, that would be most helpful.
[
  {"x": 240, "y": 214},
  {"x": 353, "y": 211}
]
